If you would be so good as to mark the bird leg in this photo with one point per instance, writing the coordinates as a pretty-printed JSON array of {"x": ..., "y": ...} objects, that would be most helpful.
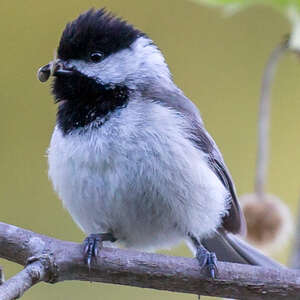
[
  {"x": 205, "y": 258},
  {"x": 93, "y": 243}
]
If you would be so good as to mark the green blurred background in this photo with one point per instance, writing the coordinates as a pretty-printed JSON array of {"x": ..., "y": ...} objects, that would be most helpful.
[{"x": 217, "y": 61}]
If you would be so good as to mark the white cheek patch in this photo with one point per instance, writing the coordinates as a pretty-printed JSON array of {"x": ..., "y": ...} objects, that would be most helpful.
[{"x": 133, "y": 65}]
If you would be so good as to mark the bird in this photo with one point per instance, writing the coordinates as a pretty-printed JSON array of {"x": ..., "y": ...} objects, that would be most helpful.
[{"x": 130, "y": 157}]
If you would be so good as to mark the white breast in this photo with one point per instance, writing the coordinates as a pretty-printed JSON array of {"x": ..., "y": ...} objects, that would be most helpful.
[{"x": 137, "y": 176}]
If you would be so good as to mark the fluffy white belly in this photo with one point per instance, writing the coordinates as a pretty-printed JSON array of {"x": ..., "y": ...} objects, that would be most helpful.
[{"x": 137, "y": 176}]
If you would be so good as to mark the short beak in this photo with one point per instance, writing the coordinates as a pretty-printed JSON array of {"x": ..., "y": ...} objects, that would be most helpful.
[{"x": 54, "y": 68}]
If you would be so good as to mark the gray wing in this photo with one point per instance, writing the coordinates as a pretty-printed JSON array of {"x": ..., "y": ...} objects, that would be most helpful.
[
  {"x": 230, "y": 248},
  {"x": 234, "y": 221}
]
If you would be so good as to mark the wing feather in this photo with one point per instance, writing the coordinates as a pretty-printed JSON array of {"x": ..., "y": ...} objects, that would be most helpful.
[{"x": 234, "y": 221}]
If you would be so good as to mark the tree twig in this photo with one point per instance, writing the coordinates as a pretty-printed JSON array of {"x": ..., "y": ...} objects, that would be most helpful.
[
  {"x": 58, "y": 260},
  {"x": 264, "y": 118},
  {"x": 16, "y": 286}
]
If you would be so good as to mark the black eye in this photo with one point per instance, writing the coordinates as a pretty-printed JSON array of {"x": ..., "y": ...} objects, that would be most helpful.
[{"x": 96, "y": 57}]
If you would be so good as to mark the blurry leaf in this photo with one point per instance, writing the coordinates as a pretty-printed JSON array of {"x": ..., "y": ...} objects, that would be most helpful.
[
  {"x": 291, "y": 8},
  {"x": 282, "y": 5}
]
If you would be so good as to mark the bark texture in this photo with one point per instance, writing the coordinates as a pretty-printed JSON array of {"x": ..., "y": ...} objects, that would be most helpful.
[{"x": 51, "y": 260}]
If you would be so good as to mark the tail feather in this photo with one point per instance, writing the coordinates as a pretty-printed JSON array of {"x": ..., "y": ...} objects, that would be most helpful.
[{"x": 230, "y": 248}]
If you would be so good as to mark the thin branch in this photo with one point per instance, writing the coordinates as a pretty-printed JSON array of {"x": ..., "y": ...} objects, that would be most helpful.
[
  {"x": 64, "y": 261},
  {"x": 264, "y": 118},
  {"x": 16, "y": 286}
]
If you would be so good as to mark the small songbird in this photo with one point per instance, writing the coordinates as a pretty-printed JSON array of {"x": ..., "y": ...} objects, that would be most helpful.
[{"x": 130, "y": 157}]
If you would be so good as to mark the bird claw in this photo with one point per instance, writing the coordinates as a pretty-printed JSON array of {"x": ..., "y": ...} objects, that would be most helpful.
[
  {"x": 92, "y": 244},
  {"x": 209, "y": 260}
]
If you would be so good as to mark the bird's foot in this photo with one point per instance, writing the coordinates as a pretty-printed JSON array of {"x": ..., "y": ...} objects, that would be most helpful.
[
  {"x": 207, "y": 259},
  {"x": 93, "y": 243}
]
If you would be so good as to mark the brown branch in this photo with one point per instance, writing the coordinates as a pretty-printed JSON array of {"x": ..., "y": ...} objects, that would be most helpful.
[{"x": 60, "y": 260}]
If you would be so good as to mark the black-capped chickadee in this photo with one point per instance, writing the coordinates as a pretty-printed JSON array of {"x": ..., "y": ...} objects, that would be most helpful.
[{"x": 129, "y": 156}]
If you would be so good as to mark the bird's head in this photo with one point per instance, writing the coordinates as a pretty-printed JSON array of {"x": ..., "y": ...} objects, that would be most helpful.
[{"x": 101, "y": 59}]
